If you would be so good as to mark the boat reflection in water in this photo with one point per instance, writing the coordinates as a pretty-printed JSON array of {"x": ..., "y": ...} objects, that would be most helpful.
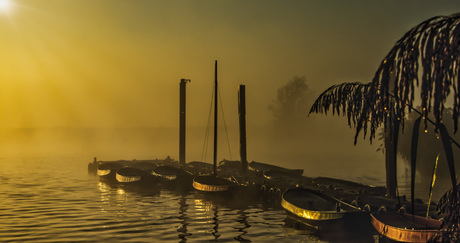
[
  {"x": 195, "y": 216},
  {"x": 293, "y": 226},
  {"x": 205, "y": 220}
]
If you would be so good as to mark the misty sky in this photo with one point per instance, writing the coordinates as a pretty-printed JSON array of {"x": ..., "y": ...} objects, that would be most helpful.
[{"x": 118, "y": 63}]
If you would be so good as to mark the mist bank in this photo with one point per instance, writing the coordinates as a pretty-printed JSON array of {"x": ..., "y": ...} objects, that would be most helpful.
[
  {"x": 106, "y": 143},
  {"x": 318, "y": 156},
  {"x": 317, "y": 151}
]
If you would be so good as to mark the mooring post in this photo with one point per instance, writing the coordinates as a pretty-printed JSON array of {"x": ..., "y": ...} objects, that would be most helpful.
[
  {"x": 242, "y": 118},
  {"x": 182, "y": 122}
]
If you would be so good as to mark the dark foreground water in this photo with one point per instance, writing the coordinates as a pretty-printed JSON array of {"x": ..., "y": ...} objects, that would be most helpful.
[{"x": 56, "y": 200}]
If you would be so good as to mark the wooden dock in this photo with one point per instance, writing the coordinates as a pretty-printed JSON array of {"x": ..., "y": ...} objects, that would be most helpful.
[{"x": 269, "y": 182}]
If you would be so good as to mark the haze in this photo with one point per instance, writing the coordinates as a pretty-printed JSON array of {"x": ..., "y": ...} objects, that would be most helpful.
[{"x": 101, "y": 78}]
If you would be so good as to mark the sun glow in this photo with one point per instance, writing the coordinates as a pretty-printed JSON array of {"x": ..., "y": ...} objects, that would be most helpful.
[{"x": 5, "y": 5}]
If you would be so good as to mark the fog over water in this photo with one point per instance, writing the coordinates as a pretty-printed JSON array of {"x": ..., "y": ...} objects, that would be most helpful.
[
  {"x": 324, "y": 157},
  {"x": 101, "y": 79}
]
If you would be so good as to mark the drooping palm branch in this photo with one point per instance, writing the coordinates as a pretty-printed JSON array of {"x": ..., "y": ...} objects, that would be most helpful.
[
  {"x": 433, "y": 45},
  {"x": 345, "y": 98}
]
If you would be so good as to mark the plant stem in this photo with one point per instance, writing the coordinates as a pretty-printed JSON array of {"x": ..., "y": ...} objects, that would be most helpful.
[{"x": 428, "y": 119}]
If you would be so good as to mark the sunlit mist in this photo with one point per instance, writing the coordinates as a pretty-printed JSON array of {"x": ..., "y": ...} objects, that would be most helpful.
[
  {"x": 102, "y": 78},
  {"x": 5, "y": 5},
  {"x": 83, "y": 83}
]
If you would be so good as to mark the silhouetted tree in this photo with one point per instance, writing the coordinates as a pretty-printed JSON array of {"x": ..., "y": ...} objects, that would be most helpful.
[
  {"x": 433, "y": 45},
  {"x": 349, "y": 99},
  {"x": 288, "y": 108}
]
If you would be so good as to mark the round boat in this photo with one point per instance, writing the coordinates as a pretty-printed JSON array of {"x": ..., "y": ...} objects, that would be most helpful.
[
  {"x": 167, "y": 172},
  {"x": 130, "y": 175},
  {"x": 320, "y": 210},
  {"x": 107, "y": 171},
  {"x": 212, "y": 183},
  {"x": 405, "y": 227}
]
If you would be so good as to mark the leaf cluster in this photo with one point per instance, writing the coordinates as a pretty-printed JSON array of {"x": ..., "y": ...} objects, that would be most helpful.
[
  {"x": 449, "y": 206},
  {"x": 345, "y": 98},
  {"x": 432, "y": 45}
]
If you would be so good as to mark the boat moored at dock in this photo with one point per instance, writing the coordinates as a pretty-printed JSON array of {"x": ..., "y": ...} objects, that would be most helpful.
[
  {"x": 132, "y": 175},
  {"x": 405, "y": 227},
  {"x": 212, "y": 184},
  {"x": 107, "y": 171},
  {"x": 320, "y": 210}
]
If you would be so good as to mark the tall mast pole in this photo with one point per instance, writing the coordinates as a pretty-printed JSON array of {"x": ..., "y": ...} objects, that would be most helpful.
[
  {"x": 182, "y": 121},
  {"x": 215, "y": 118}
]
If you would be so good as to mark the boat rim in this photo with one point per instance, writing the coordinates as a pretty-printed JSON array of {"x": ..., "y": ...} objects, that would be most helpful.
[
  {"x": 313, "y": 214},
  {"x": 417, "y": 235}
]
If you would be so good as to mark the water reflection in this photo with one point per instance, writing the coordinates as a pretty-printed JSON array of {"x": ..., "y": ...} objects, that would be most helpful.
[
  {"x": 242, "y": 219},
  {"x": 127, "y": 188},
  {"x": 45, "y": 204},
  {"x": 293, "y": 226},
  {"x": 194, "y": 216},
  {"x": 183, "y": 219},
  {"x": 207, "y": 218},
  {"x": 215, "y": 222}
]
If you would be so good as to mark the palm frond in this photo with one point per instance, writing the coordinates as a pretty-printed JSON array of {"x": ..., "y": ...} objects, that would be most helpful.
[
  {"x": 433, "y": 45},
  {"x": 345, "y": 98},
  {"x": 446, "y": 141},
  {"x": 449, "y": 207}
]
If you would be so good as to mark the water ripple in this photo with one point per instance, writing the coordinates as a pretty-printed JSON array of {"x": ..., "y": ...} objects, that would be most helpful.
[{"x": 42, "y": 202}]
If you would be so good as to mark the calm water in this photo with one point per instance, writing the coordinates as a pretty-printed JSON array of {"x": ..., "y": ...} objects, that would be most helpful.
[{"x": 56, "y": 200}]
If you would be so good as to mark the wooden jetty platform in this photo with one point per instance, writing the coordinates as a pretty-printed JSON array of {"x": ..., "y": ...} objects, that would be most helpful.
[{"x": 270, "y": 188}]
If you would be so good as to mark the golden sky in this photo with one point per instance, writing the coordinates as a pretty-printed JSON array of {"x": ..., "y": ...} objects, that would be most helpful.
[{"x": 118, "y": 63}]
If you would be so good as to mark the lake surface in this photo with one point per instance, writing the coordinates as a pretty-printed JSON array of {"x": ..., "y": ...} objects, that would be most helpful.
[{"x": 56, "y": 200}]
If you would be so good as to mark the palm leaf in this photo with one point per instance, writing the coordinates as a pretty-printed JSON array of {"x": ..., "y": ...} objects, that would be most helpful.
[
  {"x": 345, "y": 98},
  {"x": 450, "y": 205},
  {"x": 433, "y": 45},
  {"x": 449, "y": 208},
  {"x": 446, "y": 141}
]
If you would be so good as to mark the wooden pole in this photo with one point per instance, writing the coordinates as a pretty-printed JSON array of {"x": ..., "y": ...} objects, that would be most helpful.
[
  {"x": 182, "y": 121},
  {"x": 242, "y": 119},
  {"x": 215, "y": 120}
]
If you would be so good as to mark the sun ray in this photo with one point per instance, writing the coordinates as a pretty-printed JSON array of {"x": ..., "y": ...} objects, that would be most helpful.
[{"x": 5, "y": 6}]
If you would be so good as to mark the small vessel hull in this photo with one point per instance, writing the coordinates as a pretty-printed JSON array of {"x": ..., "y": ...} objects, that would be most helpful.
[
  {"x": 130, "y": 176},
  {"x": 174, "y": 178},
  {"x": 404, "y": 227},
  {"x": 320, "y": 210},
  {"x": 107, "y": 171},
  {"x": 212, "y": 184}
]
